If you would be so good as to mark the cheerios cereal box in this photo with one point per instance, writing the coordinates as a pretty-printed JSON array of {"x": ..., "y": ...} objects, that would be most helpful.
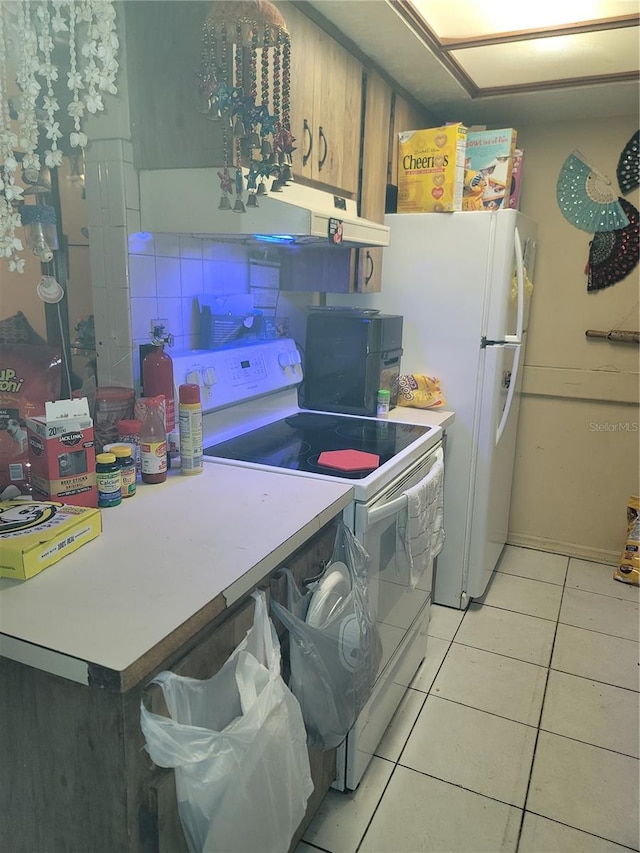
[{"x": 431, "y": 169}]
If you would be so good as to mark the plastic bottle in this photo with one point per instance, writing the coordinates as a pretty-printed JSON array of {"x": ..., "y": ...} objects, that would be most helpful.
[
  {"x": 157, "y": 378},
  {"x": 153, "y": 444},
  {"x": 384, "y": 400},
  {"x": 190, "y": 421},
  {"x": 109, "y": 480},
  {"x": 124, "y": 458},
  {"x": 129, "y": 433}
]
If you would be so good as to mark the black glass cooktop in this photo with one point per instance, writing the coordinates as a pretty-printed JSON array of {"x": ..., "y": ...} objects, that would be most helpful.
[{"x": 296, "y": 442}]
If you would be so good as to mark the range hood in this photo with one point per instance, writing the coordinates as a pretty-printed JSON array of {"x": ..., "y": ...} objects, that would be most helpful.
[{"x": 185, "y": 201}]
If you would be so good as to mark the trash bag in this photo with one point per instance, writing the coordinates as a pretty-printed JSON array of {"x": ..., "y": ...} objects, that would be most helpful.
[
  {"x": 335, "y": 646},
  {"x": 238, "y": 745}
]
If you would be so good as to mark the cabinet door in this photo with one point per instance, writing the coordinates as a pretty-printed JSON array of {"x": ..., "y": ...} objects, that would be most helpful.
[
  {"x": 304, "y": 67},
  {"x": 326, "y": 94},
  {"x": 375, "y": 166},
  {"x": 337, "y": 117},
  {"x": 406, "y": 116}
]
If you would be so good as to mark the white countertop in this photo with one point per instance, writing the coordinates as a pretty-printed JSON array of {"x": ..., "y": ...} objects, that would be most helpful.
[
  {"x": 424, "y": 417},
  {"x": 163, "y": 555}
]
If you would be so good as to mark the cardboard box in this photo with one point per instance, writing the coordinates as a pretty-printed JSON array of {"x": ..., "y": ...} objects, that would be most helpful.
[
  {"x": 516, "y": 179},
  {"x": 431, "y": 169},
  {"x": 62, "y": 453},
  {"x": 36, "y": 534},
  {"x": 488, "y": 167}
]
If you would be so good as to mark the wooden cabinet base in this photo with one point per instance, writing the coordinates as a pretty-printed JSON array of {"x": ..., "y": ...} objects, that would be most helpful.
[{"x": 75, "y": 775}]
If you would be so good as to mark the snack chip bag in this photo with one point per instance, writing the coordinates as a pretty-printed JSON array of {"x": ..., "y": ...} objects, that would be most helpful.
[
  {"x": 628, "y": 568},
  {"x": 420, "y": 392}
]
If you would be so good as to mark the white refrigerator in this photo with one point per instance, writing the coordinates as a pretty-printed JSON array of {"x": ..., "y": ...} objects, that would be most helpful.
[{"x": 461, "y": 282}]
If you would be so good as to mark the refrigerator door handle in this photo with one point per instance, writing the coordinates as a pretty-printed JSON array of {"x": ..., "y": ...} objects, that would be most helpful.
[
  {"x": 517, "y": 338},
  {"x": 513, "y": 380}
]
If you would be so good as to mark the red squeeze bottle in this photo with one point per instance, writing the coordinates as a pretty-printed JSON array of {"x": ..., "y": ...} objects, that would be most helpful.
[{"x": 157, "y": 378}]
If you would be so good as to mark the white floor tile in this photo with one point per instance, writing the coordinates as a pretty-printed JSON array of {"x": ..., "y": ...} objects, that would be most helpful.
[
  {"x": 600, "y": 613},
  {"x": 523, "y": 595},
  {"x": 479, "y": 751},
  {"x": 592, "y": 712},
  {"x": 598, "y": 577},
  {"x": 540, "y": 835},
  {"x": 537, "y": 565},
  {"x": 342, "y": 818},
  {"x": 597, "y": 656},
  {"x": 490, "y": 682},
  {"x": 513, "y": 634},
  {"x": 419, "y": 813},
  {"x": 400, "y": 726},
  {"x": 586, "y": 787},
  {"x": 444, "y": 621},
  {"x": 436, "y": 651}
]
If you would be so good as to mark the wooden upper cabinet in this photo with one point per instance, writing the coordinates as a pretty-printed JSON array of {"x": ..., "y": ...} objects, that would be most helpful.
[
  {"x": 406, "y": 116},
  {"x": 326, "y": 105},
  {"x": 375, "y": 159}
]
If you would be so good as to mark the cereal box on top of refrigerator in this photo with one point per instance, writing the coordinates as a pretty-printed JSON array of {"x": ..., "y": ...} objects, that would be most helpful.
[
  {"x": 431, "y": 169},
  {"x": 489, "y": 163}
]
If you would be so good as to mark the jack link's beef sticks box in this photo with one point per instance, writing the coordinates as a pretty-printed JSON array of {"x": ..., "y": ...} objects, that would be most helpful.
[{"x": 431, "y": 169}]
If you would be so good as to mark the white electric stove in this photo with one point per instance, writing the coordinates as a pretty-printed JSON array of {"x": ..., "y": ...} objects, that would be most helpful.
[{"x": 251, "y": 418}]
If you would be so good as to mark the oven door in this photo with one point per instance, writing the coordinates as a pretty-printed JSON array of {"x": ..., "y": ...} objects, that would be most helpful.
[{"x": 402, "y": 615}]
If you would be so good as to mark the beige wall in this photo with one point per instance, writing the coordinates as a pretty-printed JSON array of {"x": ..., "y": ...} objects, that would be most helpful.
[{"x": 577, "y": 457}]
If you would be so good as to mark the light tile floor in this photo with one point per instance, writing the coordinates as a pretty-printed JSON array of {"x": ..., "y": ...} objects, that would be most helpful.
[{"x": 520, "y": 730}]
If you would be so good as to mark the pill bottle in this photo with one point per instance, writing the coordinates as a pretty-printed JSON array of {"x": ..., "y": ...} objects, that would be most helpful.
[
  {"x": 190, "y": 423},
  {"x": 384, "y": 400},
  {"x": 124, "y": 458},
  {"x": 153, "y": 444},
  {"x": 109, "y": 480}
]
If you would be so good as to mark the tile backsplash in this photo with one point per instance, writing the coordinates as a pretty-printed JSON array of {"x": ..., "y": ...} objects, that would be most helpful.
[{"x": 167, "y": 275}]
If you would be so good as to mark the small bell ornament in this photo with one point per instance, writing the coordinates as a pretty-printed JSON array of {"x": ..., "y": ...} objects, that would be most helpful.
[
  {"x": 238, "y": 206},
  {"x": 225, "y": 204},
  {"x": 252, "y": 201},
  {"x": 262, "y": 190}
]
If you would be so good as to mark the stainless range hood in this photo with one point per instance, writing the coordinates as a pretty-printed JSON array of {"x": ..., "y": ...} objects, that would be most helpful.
[{"x": 185, "y": 201}]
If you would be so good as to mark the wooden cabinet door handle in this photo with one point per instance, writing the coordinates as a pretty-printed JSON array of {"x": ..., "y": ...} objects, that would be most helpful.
[
  {"x": 307, "y": 130},
  {"x": 323, "y": 138}
]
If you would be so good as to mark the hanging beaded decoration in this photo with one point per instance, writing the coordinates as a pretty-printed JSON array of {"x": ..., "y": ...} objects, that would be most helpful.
[
  {"x": 258, "y": 144},
  {"x": 628, "y": 170},
  {"x": 614, "y": 254}
]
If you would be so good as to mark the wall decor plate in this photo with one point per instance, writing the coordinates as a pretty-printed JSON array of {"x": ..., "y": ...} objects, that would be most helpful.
[
  {"x": 614, "y": 254},
  {"x": 628, "y": 170},
  {"x": 586, "y": 198}
]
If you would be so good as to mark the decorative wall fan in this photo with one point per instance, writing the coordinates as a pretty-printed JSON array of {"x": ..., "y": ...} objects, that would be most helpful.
[
  {"x": 628, "y": 170},
  {"x": 587, "y": 199},
  {"x": 614, "y": 254}
]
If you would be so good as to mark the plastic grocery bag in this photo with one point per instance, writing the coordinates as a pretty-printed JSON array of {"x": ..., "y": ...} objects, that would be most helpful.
[
  {"x": 238, "y": 745},
  {"x": 335, "y": 647}
]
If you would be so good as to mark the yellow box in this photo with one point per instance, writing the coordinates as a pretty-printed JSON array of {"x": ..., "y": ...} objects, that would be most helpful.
[
  {"x": 431, "y": 169},
  {"x": 36, "y": 534}
]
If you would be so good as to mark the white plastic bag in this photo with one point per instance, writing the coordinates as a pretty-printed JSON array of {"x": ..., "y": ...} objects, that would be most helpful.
[
  {"x": 335, "y": 661},
  {"x": 238, "y": 745}
]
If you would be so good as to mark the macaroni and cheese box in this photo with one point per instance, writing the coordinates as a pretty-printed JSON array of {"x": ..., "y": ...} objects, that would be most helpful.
[
  {"x": 62, "y": 453},
  {"x": 488, "y": 167},
  {"x": 36, "y": 534},
  {"x": 431, "y": 169}
]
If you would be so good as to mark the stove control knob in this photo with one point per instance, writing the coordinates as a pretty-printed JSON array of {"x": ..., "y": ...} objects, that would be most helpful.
[
  {"x": 193, "y": 377},
  {"x": 284, "y": 360},
  {"x": 209, "y": 376},
  {"x": 295, "y": 357}
]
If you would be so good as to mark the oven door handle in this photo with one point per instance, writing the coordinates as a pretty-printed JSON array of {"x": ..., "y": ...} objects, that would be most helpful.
[{"x": 366, "y": 518}]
